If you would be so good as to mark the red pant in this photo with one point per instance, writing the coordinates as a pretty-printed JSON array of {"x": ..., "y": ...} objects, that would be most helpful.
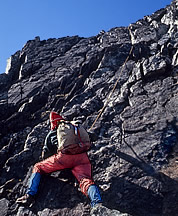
[{"x": 79, "y": 164}]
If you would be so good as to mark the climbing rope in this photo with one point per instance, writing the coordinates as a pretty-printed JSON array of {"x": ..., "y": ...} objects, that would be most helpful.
[{"x": 100, "y": 113}]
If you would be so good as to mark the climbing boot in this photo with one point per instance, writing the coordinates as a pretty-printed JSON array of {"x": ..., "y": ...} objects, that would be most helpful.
[
  {"x": 100, "y": 210},
  {"x": 27, "y": 199}
]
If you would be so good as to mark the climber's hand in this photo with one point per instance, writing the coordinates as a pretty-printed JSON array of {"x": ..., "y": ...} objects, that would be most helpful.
[{"x": 42, "y": 156}]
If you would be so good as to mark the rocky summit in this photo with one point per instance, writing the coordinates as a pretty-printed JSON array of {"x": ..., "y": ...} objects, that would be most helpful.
[{"x": 126, "y": 80}]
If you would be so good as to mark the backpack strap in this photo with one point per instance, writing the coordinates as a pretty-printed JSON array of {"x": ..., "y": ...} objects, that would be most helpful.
[
  {"x": 81, "y": 142},
  {"x": 77, "y": 133}
]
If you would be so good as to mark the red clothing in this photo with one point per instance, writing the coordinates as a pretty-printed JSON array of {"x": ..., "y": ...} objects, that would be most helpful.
[{"x": 79, "y": 165}]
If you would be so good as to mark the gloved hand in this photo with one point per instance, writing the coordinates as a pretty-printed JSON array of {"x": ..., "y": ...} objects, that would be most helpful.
[{"x": 42, "y": 156}]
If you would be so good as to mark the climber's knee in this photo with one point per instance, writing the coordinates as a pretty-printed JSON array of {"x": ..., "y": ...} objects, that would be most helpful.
[
  {"x": 85, "y": 184},
  {"x": 37, "y": 168}
]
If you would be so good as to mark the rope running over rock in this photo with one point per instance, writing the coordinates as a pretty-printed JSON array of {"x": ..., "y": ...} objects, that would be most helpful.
[{"x": 102, "y": 110}]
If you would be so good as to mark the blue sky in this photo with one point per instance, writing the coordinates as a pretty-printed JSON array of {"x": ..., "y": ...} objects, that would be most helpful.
[{"x": 23, "y": 20}]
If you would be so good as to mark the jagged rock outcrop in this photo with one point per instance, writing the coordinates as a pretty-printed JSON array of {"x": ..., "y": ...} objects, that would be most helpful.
[{"x": 135, "y": 137}]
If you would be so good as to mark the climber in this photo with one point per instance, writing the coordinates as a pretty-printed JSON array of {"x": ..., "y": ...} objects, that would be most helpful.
[{"x": 78, "y": 163}]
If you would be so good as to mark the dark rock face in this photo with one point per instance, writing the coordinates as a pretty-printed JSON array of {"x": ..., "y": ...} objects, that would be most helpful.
[{"x": 135, "y": 137}]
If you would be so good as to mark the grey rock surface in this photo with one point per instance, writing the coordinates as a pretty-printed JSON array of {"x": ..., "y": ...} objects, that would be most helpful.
[{"x": 135, "y": 136}]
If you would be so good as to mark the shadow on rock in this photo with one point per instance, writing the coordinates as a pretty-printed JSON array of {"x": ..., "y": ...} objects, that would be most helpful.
[
  {"x": 132, "y": 199},
  {"x": 159, "y": 199}
]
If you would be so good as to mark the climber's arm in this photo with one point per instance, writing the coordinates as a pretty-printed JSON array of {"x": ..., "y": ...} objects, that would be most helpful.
[{"x": 46, "y": 148}]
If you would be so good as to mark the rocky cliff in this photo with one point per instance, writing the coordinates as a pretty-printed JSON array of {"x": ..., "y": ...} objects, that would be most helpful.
[{"x": 134, "y": 139}]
